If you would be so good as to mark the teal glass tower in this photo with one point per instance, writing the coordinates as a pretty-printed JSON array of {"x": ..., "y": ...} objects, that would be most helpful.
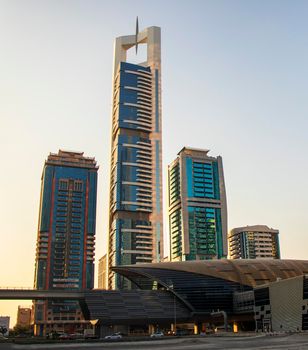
[
  {"x": 66, "y": 238},
  {"x": 197, "y": 207},
  {"x": 135, "y": 213}
]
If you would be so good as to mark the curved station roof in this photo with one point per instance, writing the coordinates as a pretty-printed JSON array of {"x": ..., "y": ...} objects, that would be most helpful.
[
  {"x": 207, "y": 285},
  {"x": 249, "y": 272}
]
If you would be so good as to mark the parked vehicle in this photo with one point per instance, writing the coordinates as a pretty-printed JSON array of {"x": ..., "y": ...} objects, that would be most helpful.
[
  {"x": 64, "y": 336},
  {"x": 114, "y": 336},
  {"x": 157, "y": 335}
]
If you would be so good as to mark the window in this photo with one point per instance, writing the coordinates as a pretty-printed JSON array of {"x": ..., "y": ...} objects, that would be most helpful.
[
  {"x": 63, "y": 184},
  {"x": 78, "y": 185}
]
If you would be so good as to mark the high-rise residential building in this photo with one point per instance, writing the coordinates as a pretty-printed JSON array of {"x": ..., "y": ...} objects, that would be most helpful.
[
  {"x": 66, "y": 238},
  {"x": 254, "y": 242},
  {"x": 24, "y": 316},
  {"x": 136, "y": 219},
  {"x": 102, "y": 272},
  {"x": 197, "y": 206}
]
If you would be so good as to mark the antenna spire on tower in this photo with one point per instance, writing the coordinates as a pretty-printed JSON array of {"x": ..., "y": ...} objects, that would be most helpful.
[{"x": 137, "y": 31}]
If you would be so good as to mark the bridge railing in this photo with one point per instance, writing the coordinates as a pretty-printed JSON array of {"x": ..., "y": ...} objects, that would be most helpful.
[{"x": 16, "y": 288}]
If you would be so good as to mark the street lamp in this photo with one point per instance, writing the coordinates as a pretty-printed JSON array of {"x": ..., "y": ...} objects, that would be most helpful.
[{"x": 170, "y": 288}]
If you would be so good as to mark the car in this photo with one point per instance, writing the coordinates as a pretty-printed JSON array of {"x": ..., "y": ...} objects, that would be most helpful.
[
  {"x": 114, "y": 336},
  {"x": 64, "y": 336},
  {"x": 157, "y": 335}
]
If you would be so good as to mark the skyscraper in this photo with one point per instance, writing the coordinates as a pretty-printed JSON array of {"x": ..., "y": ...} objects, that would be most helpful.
[
  {"x": 136, "y": 220},
  {"x": 254, "y": 242},
  {"x": 66, "y": 237},
  {"x": 197, "y": 206},
  {"x": 102, "y": 272}
]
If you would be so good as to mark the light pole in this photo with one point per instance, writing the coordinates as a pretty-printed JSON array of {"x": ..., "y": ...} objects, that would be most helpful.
[
  {"x": 174, "y": 314},
  {"x": 174, "y": 308}
]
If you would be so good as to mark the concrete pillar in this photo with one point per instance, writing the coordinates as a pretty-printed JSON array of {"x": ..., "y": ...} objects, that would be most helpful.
[
  {"x": 196, "y": 328},
  {"x": 104, "y": 330},
  {"x": 151, "y": 329},
  {"x": 173, "y": 327}
]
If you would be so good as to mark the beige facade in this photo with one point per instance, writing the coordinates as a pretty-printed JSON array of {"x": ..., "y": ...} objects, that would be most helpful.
[
  {"x": 102, "y": 272},
  {"x": 146, "y": 205},
  {"x": 254, "y": 242},
  {"x": 24, "y": 316},
  {"x": 282, "y": 306}
]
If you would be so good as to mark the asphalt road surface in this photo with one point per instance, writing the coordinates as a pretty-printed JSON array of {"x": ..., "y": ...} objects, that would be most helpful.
[{"x": 260, "y": 342}]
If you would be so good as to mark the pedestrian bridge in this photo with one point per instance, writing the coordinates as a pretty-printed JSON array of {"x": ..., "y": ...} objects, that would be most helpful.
[
  {"x": 35, "y": 294},
  {"x": 112, "y": 306}
]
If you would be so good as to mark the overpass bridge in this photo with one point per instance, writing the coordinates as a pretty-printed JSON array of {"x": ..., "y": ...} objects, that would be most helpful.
[
  {"x": 36, "y": 294},
  {"x": 112, "y": 306}
]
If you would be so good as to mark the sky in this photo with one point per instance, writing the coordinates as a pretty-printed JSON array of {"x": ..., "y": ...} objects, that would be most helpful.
[{"x": 234, "y": 80}]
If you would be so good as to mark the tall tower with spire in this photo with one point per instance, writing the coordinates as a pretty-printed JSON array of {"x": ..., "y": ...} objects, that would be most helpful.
[{"x": 135, "y": 213}]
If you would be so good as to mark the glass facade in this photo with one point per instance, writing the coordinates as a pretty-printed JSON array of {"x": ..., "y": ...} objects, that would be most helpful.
[
  {"x": 203, "y": 293},
  {"x": 66, "y": 235},
  {"x": 131, "y": 174},
  {"x": 204, "y": 225},
  {"x": 135, "y": 222},
  {"x": 197, "y": 207},
  {"x": 205, "y": 182}
]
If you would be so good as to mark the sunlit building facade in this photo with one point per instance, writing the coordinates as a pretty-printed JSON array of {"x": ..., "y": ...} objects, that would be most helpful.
[
  {"x": 66, "y": 238},
  {"x": 197, "y": 206},
  {"x": 254, "y": 242},
  {"x": 136, "y": 221},
  {"x": 102, "y": 272},
  {"x": 24, "y": 316}
]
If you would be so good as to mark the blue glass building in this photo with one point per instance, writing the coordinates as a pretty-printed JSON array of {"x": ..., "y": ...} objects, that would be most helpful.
[
  {"x": 197, "y": 207},
  {"x": 66, "y": 237},
  {"x": 135, "y": 222}
]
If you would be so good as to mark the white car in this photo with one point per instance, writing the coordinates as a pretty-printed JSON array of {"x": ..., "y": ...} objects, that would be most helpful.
[
  {"x": 157, "y": 335},
  {"x": 114, "y": 336}
]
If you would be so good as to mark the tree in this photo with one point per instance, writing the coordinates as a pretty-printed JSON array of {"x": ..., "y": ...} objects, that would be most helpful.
[{"x": 18, "y": 329}]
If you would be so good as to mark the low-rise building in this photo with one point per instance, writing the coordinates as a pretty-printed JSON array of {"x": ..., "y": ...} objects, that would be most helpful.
[
  {"x": 5, "y": 322},
  {"x": 254, "y": 242},
  {"x": 24, "y": 315},
  {"x": 282, "y": 306}
]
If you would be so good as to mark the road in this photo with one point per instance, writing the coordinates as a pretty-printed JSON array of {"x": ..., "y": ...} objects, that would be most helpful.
[{"x": 260, "y": 342}]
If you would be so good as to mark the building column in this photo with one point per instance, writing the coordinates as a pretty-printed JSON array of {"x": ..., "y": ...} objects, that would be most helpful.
[
  {"x": 196, "y": 328},
  {"x": 203, "y": 327},
  {"x": 151, "y": 329}
]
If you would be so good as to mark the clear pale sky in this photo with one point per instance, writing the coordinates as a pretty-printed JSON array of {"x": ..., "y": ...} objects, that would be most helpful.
[{"x": 235, "y": 81}]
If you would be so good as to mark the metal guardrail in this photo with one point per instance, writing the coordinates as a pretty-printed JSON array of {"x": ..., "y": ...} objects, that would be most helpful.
[
  {"x": 11, "y": 293},
  {"x": 17, "y": 288}
]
